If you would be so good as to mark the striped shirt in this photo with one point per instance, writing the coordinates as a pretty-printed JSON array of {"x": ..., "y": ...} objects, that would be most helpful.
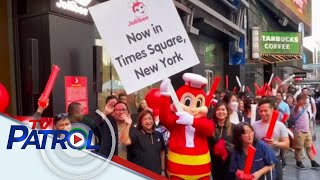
[{"x": 122, "y": 149}]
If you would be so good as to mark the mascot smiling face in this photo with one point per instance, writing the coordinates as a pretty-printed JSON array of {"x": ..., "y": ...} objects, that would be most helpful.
[{"x": 192, "y": 97}]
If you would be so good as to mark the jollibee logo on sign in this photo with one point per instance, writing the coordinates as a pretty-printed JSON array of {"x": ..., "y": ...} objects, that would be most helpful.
[{"x": 139, "y": 10}]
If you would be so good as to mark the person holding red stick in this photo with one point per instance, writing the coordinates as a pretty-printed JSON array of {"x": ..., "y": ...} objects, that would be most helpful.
[
  {"x": 263, "y": 161},
  {"x": 279, "y": 139}
]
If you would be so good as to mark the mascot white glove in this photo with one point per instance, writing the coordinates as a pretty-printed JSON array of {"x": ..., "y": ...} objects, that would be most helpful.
[
  {"x": 164, "y": 87},
  {"x": 184, "y": 118}
]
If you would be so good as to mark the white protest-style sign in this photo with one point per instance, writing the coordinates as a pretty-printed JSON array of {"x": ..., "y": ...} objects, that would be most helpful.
[
  {"x": 146, "y": 40},
  {"x": 77, "y": 6}
]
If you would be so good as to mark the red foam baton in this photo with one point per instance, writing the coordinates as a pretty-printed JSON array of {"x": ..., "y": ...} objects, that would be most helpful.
[
  {"x": 248, "y": 89},
  {"x": 313, "y": 149},
  {"x": 46, "y": 93},
  {"x": 264, "y": 88},
  {"x": 213, "y": 89},
  {"x": 277, "y": 79},
  {"x": 235, "y": 90},
  {"x": 249, "y": 159},
  {"x": 258, "y": 90},
  {"x": 227, "y": 82},
  {"x": 285, "y": 118},
  {"x": 273, "y": 121}
]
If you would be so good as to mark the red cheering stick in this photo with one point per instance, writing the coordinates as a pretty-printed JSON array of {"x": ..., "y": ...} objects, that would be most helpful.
[
  {"x": 212, "y": 90},
  {"x": 264, "y": 88},
  {"x": 43, "y": 100},
  {"x": 277, "y": 79},
  {"x": 227, "y": 82},
  {"x": 273, "y": 121},
  {"x": 284, "y": 118},
  {"x": 313, "y": 149},
  {"x": 258, "y": 90},
  {"x": 248, "y": 89},
  {"x": 249, "y": 159},
  {"x": 235, "y": 90}
]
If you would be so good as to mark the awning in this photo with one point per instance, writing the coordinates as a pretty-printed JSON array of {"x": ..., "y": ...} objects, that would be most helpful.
[{"x": 269, "y": 58}]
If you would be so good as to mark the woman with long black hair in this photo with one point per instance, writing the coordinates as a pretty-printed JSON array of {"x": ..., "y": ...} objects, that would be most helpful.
[
  {"x": 264, "y": 159},
  {"x": 220, "y": 144}
]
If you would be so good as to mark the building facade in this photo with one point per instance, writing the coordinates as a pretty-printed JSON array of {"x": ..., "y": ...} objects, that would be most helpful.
[{"x": 39, "y": 33}]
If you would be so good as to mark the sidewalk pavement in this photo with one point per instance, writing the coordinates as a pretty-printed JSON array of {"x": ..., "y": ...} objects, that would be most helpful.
[{"x": 292, "y": 173}]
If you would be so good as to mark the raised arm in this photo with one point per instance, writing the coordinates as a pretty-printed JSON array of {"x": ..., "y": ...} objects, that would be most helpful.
[
  {"x": 167, "y": 118},
  {"x": 125, "y": 136}
]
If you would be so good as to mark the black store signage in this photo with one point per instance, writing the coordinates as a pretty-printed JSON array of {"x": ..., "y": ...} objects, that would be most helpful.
[
  {"x": 300, "y": 74},
  {"x": 74, "y": 8}
]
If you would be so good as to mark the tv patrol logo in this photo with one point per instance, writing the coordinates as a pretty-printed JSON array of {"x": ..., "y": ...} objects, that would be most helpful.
[
  {"x": 77, "y": 160},
  {"x": 79, "y": 137},
  {"x": 139, "y": 9}
]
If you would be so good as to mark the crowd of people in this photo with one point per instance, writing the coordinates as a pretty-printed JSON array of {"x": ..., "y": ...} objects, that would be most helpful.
[{"x": 143, "y": 139}]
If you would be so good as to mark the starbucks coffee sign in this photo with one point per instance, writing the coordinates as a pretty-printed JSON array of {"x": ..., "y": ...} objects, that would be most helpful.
[
  {"x": 76, "y": 6},
  {"x": 284, "y": 43}
]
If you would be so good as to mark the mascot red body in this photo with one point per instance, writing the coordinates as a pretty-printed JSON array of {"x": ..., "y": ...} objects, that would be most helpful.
[{"x": 188, "y": 153}]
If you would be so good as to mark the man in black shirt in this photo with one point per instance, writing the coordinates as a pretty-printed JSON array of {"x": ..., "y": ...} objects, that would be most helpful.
[{"x": 105, "y": 138}]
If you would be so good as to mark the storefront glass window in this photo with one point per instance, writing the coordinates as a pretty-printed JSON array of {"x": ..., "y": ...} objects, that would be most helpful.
[
  {"x": 210, "y": 52},
  {"x": 254, "y": 74}
]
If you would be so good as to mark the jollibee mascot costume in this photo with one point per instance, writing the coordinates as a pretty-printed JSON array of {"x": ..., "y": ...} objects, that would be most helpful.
[{"x": 188, "y": 153}]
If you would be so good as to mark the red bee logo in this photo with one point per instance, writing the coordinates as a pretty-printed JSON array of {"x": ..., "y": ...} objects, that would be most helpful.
[{"x": 139, "y": 8}]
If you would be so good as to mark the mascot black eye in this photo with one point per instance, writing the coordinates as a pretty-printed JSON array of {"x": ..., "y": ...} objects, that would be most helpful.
[
  {"x": 187, "y": 101},
  {"x": 199, "y": 102}
]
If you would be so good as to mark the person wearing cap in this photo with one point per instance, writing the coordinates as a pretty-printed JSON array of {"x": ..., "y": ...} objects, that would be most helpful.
[{"x": 188, "y": 152}]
